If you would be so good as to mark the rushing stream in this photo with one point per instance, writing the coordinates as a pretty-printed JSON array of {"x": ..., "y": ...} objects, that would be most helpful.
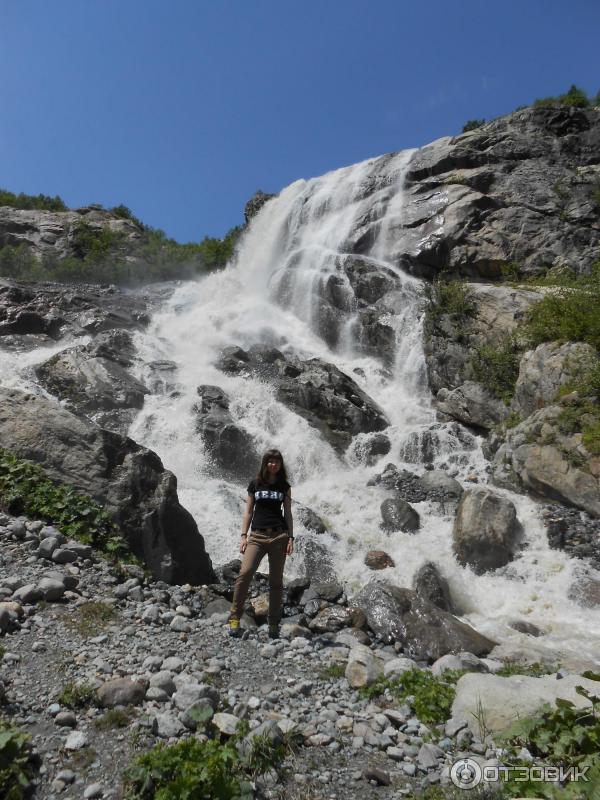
[{"x": 273, "y": 294}]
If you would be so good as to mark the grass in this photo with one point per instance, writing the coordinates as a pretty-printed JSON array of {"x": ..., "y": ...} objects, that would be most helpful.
[
  {"x": 447, "y": 297},
  {"x": 90, "y": 619},
  {"x": 77, "y": 695},
  {"x": 332, "y": 672},
  {"x": 535, "y": 670},
  {"x": 115, "y": 718},
  {"x": 432, "y": 696}
]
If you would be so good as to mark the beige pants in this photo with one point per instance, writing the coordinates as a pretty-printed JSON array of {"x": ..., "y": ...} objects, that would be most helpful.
[{"x": 259, "y": 545}]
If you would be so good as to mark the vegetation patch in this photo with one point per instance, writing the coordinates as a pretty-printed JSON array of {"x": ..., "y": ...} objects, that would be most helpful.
[
  {"x": 574, "y": 97},
  {"x": 535, "y": 670},
  {"x": 90, "y": 619},
  {"x": 472, "y": 124},
  {"x": 432, "y": 696},
  {"x": 447, "y": 297},
  {"x": 77, "y": 695},
  {"x": 497, "y": 366},
  {"x": 201, "y": 769},
  {"x": 26, "y": 489},
  {"x": 115, "y": 718},
  {"x": 564, "y": 736},
  {"x": 18, "y": 763},
  {"x": 333, "y": 672},
  {"x": 29, "y": 202}
]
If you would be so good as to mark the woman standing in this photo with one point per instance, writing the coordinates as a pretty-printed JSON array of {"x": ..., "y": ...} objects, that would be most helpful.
[{"x": 271, "y": 533}]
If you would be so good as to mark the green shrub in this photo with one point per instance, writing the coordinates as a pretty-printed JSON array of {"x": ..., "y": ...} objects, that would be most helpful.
[
  {"x": 564, "y": 736},
  {"x": 189, "y": 769},
  {"x": 535, "y": 670},
  {"x": 332, "y": 672},
  {"x": 433, "y": 696},
  {"x": 115, "y": 718},
  {"x": 497, "y": 367},
  {"x": 18, "y": 764},
  {"x": 77, "y": 695},
  {"x": 26, "y": 489},
  {"x": 30, "y": 202},
  {"x": 447, "y": 296},
  {"x": 472, "y": 124},
  {"x": 574, "y": 97}
]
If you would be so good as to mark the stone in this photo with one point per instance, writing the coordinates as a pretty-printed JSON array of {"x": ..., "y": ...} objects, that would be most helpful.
[
  {"x": 472, "y": 404},
  {"x": 94, "y": 790},
  {"x": 225, "y": 723},
  {"x": 129, "y": 481},
  {"x": 51, "y": 589},
  {"x": 62, "y": 555},
  {"x": 396, "y": 666},
  {"x": 505, "y": 700},
  {"x": 458, "y": 661},
  {"x": 167, "y": 726},
  {"x": 363, "y": 667},
  {"x": 438, "y": 485},
  {"x": 424, "y": 631},
  {"x": 76, "y": 741},
  {"x": 189, "y": 693},
  {"x": 198, "y": 714},
  {"x": 121, "y": 692},
  {"x": 269, "y": 729},
  {"x": 398, "y": 515},
  {"x": 378, "y": 559},
  {"x": 65, "y": 719},
  {"x": 28, "y": 594},
  {"x": 163, "y": 680},
  {"x": 429, "y": 584},
  {"x": 180, "y": 625},
  {"x": 429, "y": 756},
  {"x": 485, "y": 530},
  {"x": 586, "y": 592},
  {"x": 334, "y": 618}
]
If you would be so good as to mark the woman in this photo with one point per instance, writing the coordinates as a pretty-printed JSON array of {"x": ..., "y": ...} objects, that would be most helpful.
[{"x": 271, "y": 533}]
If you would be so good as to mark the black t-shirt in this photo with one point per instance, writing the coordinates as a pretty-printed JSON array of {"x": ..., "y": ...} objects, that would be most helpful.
[{"x": 268, "y": 502}]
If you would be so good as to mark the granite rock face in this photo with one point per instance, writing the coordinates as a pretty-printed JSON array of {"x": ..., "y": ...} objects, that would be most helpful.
[{"x": 129, "y": 481}]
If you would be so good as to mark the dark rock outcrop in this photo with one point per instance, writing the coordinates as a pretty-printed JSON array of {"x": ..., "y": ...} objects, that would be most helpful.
[
  {"x": 231, "y": 447},
  {"x": 398, "y": 515},
  {"x": 129, "y": 481},
  {"x": 485, "y": 530},
  {"x": 431, "y": 586},
  {"x": 254, "y": 205},
  {"x": 327, "y": 398},
  {"x": 424, "y": 631}
]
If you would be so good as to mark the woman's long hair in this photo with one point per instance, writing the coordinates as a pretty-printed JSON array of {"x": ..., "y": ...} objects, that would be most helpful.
[{"x": 263, "y": 473}]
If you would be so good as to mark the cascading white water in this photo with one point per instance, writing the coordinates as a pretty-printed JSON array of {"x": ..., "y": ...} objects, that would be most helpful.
[
  {"x": 295, "y": 249},
  {"x": 272, "y": 294}
]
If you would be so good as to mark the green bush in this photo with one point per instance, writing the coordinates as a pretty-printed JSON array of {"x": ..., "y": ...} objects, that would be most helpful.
[
  {"x": 29, "y": 202},
  {"x": 77, "y": 695},
  {"x": 26, "y": 489},
  {"x": 18, "y": 764},
  {"x": 433, "y": 696},
  {"x": 564, "y": 736},
  {"x": 497, "y": 367},
  {"x": 574, "y": 97},
  {"x": 189, "y": 769},
  {"x": 535, "y": 670},
  {"x": 472, "y": 124},
  {"x": 447, "y": 296}
]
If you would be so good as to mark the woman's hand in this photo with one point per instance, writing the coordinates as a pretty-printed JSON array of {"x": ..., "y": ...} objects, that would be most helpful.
[
  {"x": 243, "y": 544},
  {"x": 290, "y": 547}
]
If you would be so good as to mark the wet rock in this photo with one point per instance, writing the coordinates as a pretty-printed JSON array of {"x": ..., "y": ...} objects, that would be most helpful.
[
  {"x": 586, "y": 592},
  {"x": 334, "y": 618},
  {"x": 378, "y": 559},
  {"x": 525, "y": 627},
  {"x": 424, "y": 631},
  {"x": 307, "y": 517},
  {"x": 398, "y": 515},
  {"x": 431, "y": 586},
  {"x": 228, "y": 444},
  {"x": 485, "y": 530}
]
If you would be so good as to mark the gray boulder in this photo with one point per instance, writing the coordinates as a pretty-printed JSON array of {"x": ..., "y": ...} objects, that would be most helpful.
[
  {"x": 472, "y": 404},
  {"x": 121, "y": 692},
  {"x": 424, "y": 631},
  {"x": 485, "y": 530},
  {"x": 230, "y": 446},
  {"x": 398, "y": 515},
  {"x": 431, "y": 586},
  {"x": 128, "y": 480}
]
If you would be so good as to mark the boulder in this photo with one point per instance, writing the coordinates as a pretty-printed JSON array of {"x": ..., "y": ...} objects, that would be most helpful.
[
  {"x": 424, "y": 631},
  {"x": 363, "y": 667},
  {"x": 485, "y": 530},
  {"x": 398, "y": 515},
  {"x": 490, "y": 703},
  {"x": 229, "y": 446},
  {"x": 334, "y": 618},
  {"x": 586, "y": 592},
  {"x": 472, "y": 404},
  {"x": 319, "y": 392},
  {"x": 128, "y": 480},
  {"x": 431, "y": 586},
  {"x": 121, "y": 692}
]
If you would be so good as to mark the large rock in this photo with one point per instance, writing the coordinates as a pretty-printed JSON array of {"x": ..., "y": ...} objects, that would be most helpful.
[
  {"x": 398, "y": 515},
  {"x": 538, "y": 457},
  {"x": 314, "y": 389},
  {"x": 229, "y": 445},
  {"x": 485, "y": 530},
  {"x": 424, "y": 631},
  {"x": 490, "y": 703},
  {"x": 431, "y": 586},
  {"x": 472, "y": 404},
  {"x": 128, "y": 480},
  {"x": 544, "y": 370}
]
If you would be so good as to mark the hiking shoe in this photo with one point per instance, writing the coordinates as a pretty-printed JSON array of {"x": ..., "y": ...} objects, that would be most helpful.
[
  {"x": 273, "y": 631},
  {"x": 234, "y": 628}
]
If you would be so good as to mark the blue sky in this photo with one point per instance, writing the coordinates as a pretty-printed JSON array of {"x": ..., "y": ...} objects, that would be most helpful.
[{"x": 182, "y": 109}]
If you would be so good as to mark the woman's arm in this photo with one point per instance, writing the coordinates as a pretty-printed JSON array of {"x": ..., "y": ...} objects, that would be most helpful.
[
  {"x": 287, "y": 515},
  {"x": 247, "y": 517}
]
